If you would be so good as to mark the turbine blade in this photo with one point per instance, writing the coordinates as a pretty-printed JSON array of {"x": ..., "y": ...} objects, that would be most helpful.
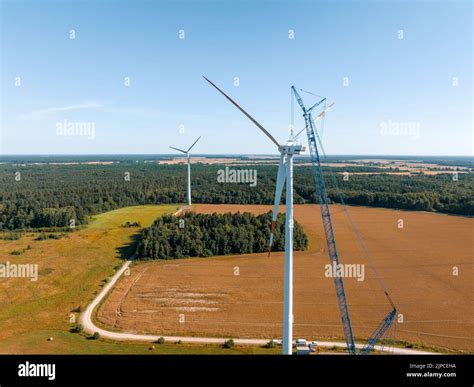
[
  {"x": 281, "y": 177},
  {"x": 180, "y": 150},
  {"x": 193, "y": 144},
  {"x": 248, "y": 115},
  {"x": 323, "y": 113}
]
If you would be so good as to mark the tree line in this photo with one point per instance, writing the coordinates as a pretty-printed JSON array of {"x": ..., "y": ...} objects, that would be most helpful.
[
  {"x": 204, "y": 235},
  {"x": 52, "y": 195}
]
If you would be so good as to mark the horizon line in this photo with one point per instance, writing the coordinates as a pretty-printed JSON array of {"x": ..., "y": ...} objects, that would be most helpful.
[{"x": 220, "y": 154}]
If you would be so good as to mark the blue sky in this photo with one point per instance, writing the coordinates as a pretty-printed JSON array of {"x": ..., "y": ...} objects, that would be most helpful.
[{"x": 422, "y": 81}]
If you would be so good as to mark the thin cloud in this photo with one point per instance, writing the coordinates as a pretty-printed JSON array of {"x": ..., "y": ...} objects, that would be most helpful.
[
  {"x": 139, "y": 112},
  {"x": 43, "y": 113}
]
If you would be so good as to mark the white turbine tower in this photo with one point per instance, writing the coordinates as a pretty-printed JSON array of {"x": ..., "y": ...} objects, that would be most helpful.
[
  {"x": 186, "y": 152},
  {"x": 285, "y": 172}
]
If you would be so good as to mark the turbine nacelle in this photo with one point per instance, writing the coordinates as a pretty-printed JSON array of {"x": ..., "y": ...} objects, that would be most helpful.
[{"x": 291, "y": 148}]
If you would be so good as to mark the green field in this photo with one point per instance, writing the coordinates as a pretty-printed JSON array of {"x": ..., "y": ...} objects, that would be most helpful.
[
  {"x": 65, "y": 342},
  {"x": 71, "y": 270}
]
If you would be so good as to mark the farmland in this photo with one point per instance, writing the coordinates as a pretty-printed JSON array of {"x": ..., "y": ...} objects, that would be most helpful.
[
  {"x": 237, "y": 295},
  {"x": 426, "y": 265}
]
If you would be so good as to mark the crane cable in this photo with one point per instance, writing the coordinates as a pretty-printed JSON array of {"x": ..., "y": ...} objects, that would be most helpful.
[
  {"x": 354, "y": 227},
  {"x": 308, "y": 92},
  {"x": 320, "y": 133},
  {"x": 292, "y": 119}
]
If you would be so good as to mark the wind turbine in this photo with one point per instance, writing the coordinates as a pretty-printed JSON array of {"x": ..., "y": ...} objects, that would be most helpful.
[
  {"x": 285, "y": 172},
  {"x": 186, "y": 152}
]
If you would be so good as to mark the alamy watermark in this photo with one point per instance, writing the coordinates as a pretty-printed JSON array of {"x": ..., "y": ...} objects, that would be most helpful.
[
  {"x": 28, "y": 369},
  {"x": 354, "y": 270},
  {"x": 229, "y": 175},
  {"x": 75, "y": 128},
  {"x": 13, "y": 270},
  {"x": 400, "y": 129}
]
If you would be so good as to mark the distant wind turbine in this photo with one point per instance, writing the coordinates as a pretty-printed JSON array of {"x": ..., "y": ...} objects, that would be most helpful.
[{"x": 186, "y": 152}]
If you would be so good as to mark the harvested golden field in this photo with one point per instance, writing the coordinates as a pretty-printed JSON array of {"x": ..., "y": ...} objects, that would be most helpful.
[{"x": 242, "y": 296}]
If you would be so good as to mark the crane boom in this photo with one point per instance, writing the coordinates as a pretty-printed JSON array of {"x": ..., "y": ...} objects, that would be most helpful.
[
  {"x": 327, "y": 225},
  {"x": 331, "y": 241},
  {"x": 379, "y": 332},
  {"x": 329, "y": 233}
]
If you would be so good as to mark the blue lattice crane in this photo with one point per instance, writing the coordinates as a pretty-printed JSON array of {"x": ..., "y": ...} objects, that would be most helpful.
[{"x": 313, "y": 138}]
